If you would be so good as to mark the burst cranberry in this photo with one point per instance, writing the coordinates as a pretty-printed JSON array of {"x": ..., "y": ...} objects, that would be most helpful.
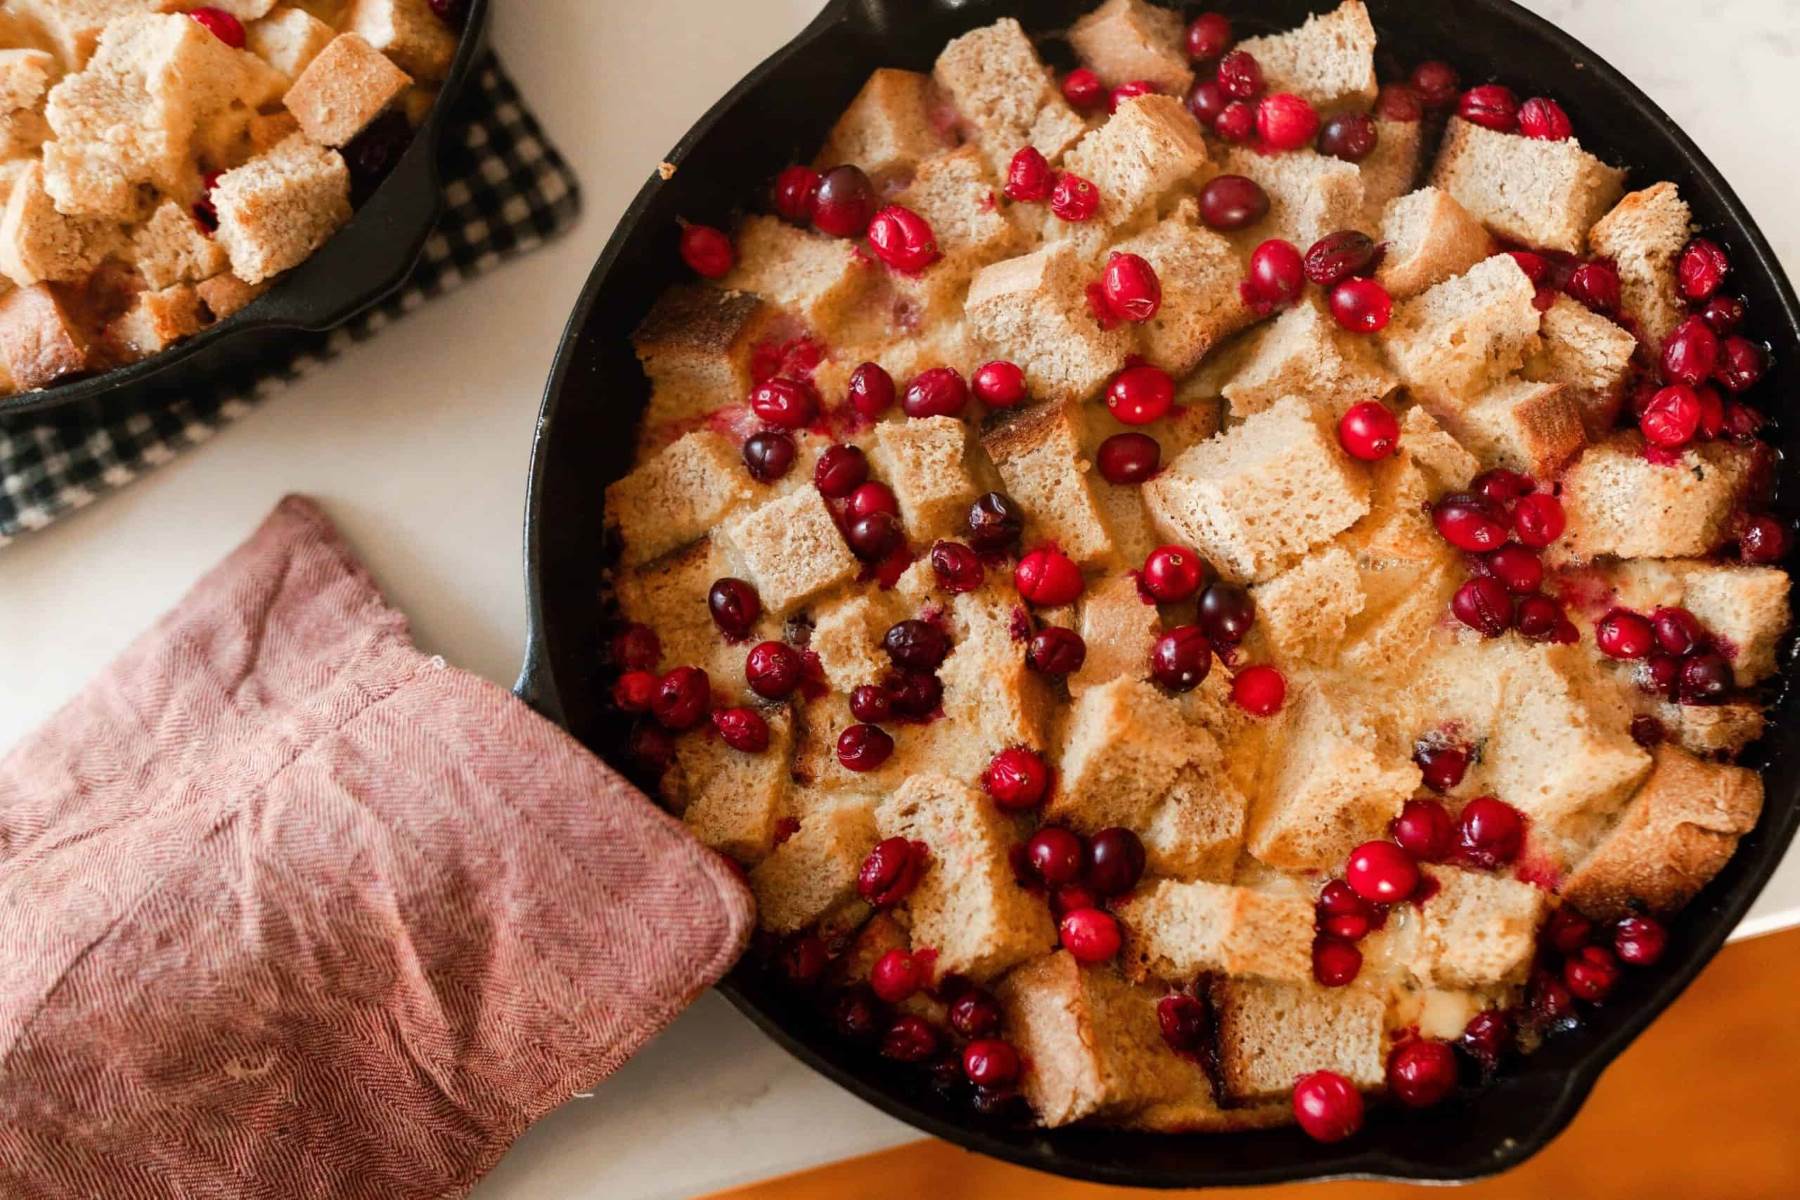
[
  {"x": 845, "y": 202},
  {"x": 1173, "y": 573},
  {"x": 1240, "y": 75},
  {"x": 735, "y": 607},
  {"x": 1399, "y": 102},
  {"x": 1232, "y": 202},
  {"x": 1485, "y": 1037},
  {"x": 915, "y": 693},
  {"x": 682, "y": 698},
  {"x": 1047, "y": 577},
  {"x": 1422, "y": 1072},
  {"x": 891, "y": 871},
  {"x": 1517, "y": 567},
  {"x": 1540, "y": 619},
  {"x": 1706, "y": 679},
  {"x": 773, "y": 670},
  {"x": 785, "y": 403},
  {"x": 1437, "y": 83},
  {"x": 1624, "y": 634},
  {"x": 1114, "y": 862},
  {"x": 1595, "y": 284},
  {"x": 1337, "y": 256},
  {"x": 1132, "y": 289},
  {"x": 1424, "y": 830},
  {"x": 1742, "y": 364},
  {"x": 873, "y": 537},
  {"x": 1566, "y": 931},
  {"x": 990, "y": 1063},
  {"x": 1723, "y": 314},
  {"x": 1056, "y": 651},
  {"x": 909, "y": 1039},
  {"x": 864, "y": 747},
  {"x": 1074, "y": 198},
  {"x": 803, "y": 960},
  {"x": 1538, "y": 520},
  {"x": 707, "y": 250},
  {"x": 220, "y": 24},
  {"x": 1208, "y": 36},
  {"x": 975, "y": 1013},
  {"x": 916, "y": 645},
  {"x": 1327, "y": 1106},
  {"x": 1741, "y": 423},
  {"x": 768, "y": 455},
  {"x": 1591, "y": 973},
  {"x": 1183, "y": 1022},
  {"x": 797, "y": 194},
  {"x": 1469, "y": 522},
  {"x": 1277, "y": 275},
  {"x": 1128, "y": 91},
  {"x": 1017, "y": 779},
  {"x": 1342, "y": 914},
  {"x": 1286, "y": 121},
  {"x": 1640, "y": 941},
  {"x": 1484, "y": 606},
  {"x": 1206, "y": 100},
  {"x": 1226, "y": 612},
  {"x": 1492, "y": 106},
  {"x": 1349, "y": 136},
  {"x": 871, "y": 704},
  {"x": 840, "y": 471},
  {"x": 1701, "y": 269},
  {"x": 1259, "y": 690},
  {"x": 1672, "y": 417},
  {"x": 1361, "y": 305},
  {"x": 1055, "y": 855},
  {"x": 1535, "y": 266},
  {"x": 856, "y": 1014},
  {"x": 634, "y": 691},
  {"x": 903, "y": 239},
  {"x": 742, "y": 729},
  {"x": 957, "y": 567},
  {"x": 1089, "y": 935},
  {"x": 1381, "y": 873},
  {"x": 1029, "y": 177},
  {"x": 637, "y": 648},
  {"x": 1763, "y": 540},
  {"x": 939, "y": 392},
  {"x": 1000, "y": 384},
  {"x": 994, "y": 523},
  {"x": 1368, "y": 431},
  {"x": 1181, "y": 658},
  {"x": 871, "y": 390},
  {"x": 1691, "y": 353},
  {"x": 1083, "y": 89},
  {"x": 1545, "y": 120},
  {"x": 1442, "y": 767},
  {"x": 1677, "y": 630},
  {"x": 1489, "y": 833},
  {"x": 1236, "y": 122},
  {"x": 1336, "y": 963}
]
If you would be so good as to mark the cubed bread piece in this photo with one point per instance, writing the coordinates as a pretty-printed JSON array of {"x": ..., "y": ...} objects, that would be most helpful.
[
  {"x": 1197, "y": 831},
  {"x": 408, "y": 32},
  {"x": 1465, "y": 334},
  {"x": 1199, "y": 273},
  {"x": 677, "y": 496},
  {"x": 669, "y": 595},
  {"x": 847, "y": 635},
  {"x": 1429, "y": 238},
  {"x": 23, "y": 133},
  {"x": 1391, "y": 169},
  {"x": 288, "y": 39},
  {"x": 1272, "y": 1033},
  {"x": 1007, "y": 98},
  {"x": 24, "y": 77},
  {"x": 1260, "y": 495},
  {"x": 728, "y": 799},
  {"x": 927, "y": 463},
  {"x": 1621, "y": 501},
  {"x": 1477, "y": 929},
  {"x": 73, "y": 26},
  {"x": 1177, "y": 931},
  {"x": 1330, "y": 60},
  {"x": 243, "y": 10},
  {"x": 888, "y": 129},
  {"x": 1304, "y": 611},
  {"x": 1119, "y": 625},
  {"x": 1398, "y": 529},
  {"x": 1310, "y": 194},
  {"x": 1713, "y": 729},
  {"x": 1033, "y": 310},
  {"x": 39, "y": 341},
  {"x": 790, "y": 548},
  {"x": 696, "y": 346},
  {"x": 1306, "y": 353},
  {"x": 1535, "y": 192},
  {"x": 1408, "y": 603},
  {"x": 38, "y": 243},
  {"x": 955, "y": 193},
  {"x": 171, "y": 248},
  {"x": 1746, "y": 611},
  {"x": 1124, "y": 41},
  {"x": 816, "y": 278},
  {"x": 225, "y": 294},
  {"x": 813, "y": 873},
  {"x": 968, "y": 906},
  {"x": 1520, "y": 425},
  {"x": 1671, "y": 839},
  {"x": 1123, "y": 747},
  {"x": 156, "y": 320},
  {"x": 1644, "y": 235},
  {"x": 347, "y": 86},
  {"x": 279, "y": 207},
  {"x": 992, "y": 698},
  {"x": 1444, "y": 461},
  {"x": 1590, "y": 356},
  {"x": 1091, "y": 1045},
  {"x": 1146, "y": 149},
  {"x": 1038, "y": 455}
]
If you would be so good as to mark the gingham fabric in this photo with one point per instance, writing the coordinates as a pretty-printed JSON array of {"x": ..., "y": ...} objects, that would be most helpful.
[{"x": 506, "y": 191}]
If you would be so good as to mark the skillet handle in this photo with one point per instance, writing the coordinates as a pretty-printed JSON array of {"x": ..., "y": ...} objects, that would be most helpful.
[{"x": 534, "y": 686}]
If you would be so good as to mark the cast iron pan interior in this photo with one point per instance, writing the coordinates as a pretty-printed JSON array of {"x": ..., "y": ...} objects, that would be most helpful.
[
  {"x": 361, "y": 265},
  {"x": 778, "y": 115}
]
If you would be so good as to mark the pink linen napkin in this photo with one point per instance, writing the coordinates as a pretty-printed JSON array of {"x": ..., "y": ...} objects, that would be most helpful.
[{"x": 290, "y": 909}]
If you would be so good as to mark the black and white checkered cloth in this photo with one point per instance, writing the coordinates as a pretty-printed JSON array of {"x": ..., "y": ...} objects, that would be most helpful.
[{"x": 506, "y": 191}]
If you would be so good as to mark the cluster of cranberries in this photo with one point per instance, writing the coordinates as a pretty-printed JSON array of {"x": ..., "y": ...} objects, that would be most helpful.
[
  {"x": 1503, "y": 523},
  {"x": 1677, "y": 659},
  {"x": 1031, "y": 180},
  {"x": 1341, "y": 263},
  {"x": 1079, "y": 876},
  {"x": 1579, "y": 960}
]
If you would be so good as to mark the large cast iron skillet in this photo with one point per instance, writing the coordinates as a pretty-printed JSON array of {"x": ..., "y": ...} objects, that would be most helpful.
[
  {"x": 584, "y": 441},
  {"x": 360, "y": 266}
]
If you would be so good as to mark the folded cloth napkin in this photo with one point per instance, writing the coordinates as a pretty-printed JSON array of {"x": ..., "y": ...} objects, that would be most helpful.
[{"x": 291, "y": 909}]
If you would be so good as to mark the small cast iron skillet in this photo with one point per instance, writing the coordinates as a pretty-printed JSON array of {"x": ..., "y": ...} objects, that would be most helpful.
[
  {"x": 362, "y": 264},
  {"x": 596, "y": 393}
]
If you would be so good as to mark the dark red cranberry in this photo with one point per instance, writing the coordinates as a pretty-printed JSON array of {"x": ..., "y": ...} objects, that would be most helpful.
[
  {"x": 1029, "y": 177},
  {"x": 909, "y": 1039},
  {"x": 1349, "y": 136},
  {"x": 903, "y": 239},
  {"x": 915, "y": 693},
  {"x": 873, "y": 537},
  {"x": 1141, "y": 394},
  {"x": 1442, "y": 767},
  {"x": 1090, "y": 935},
  {"x": 871, "y": 704},
  {"x": 1055, "y": 855},
  {"x": 1763, "y": 540},
  {"x": 1566, "y": 930},
  {"x": 707, "y": 250},
  {"x": 1437, "y": 83},
  {"x": 990, "y": 1062},
  {"x": 957, "y": 567},
  {"x": 845, "y": 202},
  {"x": 856, "y": 1014},
  {"x": 1047, "y": 577},
  {"x": 1073, "y": 198},
  {"x": 1342, "y": 914},
  {"x": 916, "y": 645},
  {"x": 1115, "y": 862},
  {"x": 1501, "y": 487},
  {"x": 1469, "y": 522},
  {"x": 1208, "y": 36},
  {"x": 995, "y": 523},
  {"x": 1083, "y": 89},
  {"x": 1742, "y": 365},
  {"x": 1486, "y": 1037},
  {"x": 1538, "y": 520},
  {"x": 1128, "y": 458},
  {"x": 1544, "y": 120},
  {"x": 742, "y": 729},
  {"x": 1206, "y": 100},
  {"x": 1484, "y": 606},
  {"x": 1706, "y": 679},
  {"x": 682, "y": 699},
  {"x": 1128, "y": 91},
  {"x": 735, "y": 607},
  {"x": 1336, "y": 963},
  {"x": 1400, "y": 103},
  {"x": 634, "y": 691},
  {"x": 1381, "y": 873},
  {"x": 1277, "y": 275},
  {"x": 803, "y": 960},
  {"x": 220, "y": 24},
  {"x": 871, "y": 390},
  {"x": 1327, "y": 1106},
  {"x": 768, "y": 455},
  {"x": 636, "y": 648},
  {"x": 1672, "y": 417},
  {"x": 841, "y": 470},
  {"x": 1133, "y": 292},
  {"x": 873, "y": 497},
  {"x": 1712, "y": 412},
  {"x": 1677, "y": 630},
  {"x": 1232, "y": 202},
  {"x": 371, "y": 156},
  {"x": 1240, "y": 75},
  {"x": 1424, "y": 830},
  {"x": 1647, "y": 731},
  {"x": 1701, "y": 269},
  {"x": 1596, "y": 285},
  {"x": 1422, "y": 1072},
  {"x": 1624, "y": 634},
  {"x": 891, "y": 871},
  {"x": 1181, "y": 658},
  {"x": 939, "y": 392},
  {"x": 1173, "y": 573},
  {"x": 1489, "y": 833},
  {"x": 1723, "y": 314},
  {"x": 1337, "y": 256},
  {"x": 1236, "y": 123},
  {"x": 1226, "y": 613},
  {"x": 1286, "y": 121},
  {"x": 1549, "y": 1001},
  {"x": 864, "y": 747},
  {"x": 1056, "y": 651},
  {"x": 1640, "y": 941},
  {"x": 1492, "y": 106},
  {"x": 1541, "y": 619},
  {"x": 1000, "y": 384},
  {"x": 450, "y": 12},
  {"x": 651, "y": 748},
  {"x": 1691, "y": 353},
  {"x": 773, "y": 670},
  {"x": 975, "y": 1013},
  {"x": 1517, "y": 567},
  {"x": 1741, "y": 423},
  {"x": 1183, "y": 1022},
  {"x": 1591, "y": 973},
  {"x": 1361, "y": 306},
  {"x": 797, "y": 194}
]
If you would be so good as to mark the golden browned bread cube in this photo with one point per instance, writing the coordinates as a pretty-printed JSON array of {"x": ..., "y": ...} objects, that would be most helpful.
[
  {"x": 847, "y": 635},
  {"x": 1390, "y": 170},
  {"x": 815, "y": 278},
  {"x": 1429, "y": 238},
  {"x": 928, "y": 462},
  {"x": 678, "y": 496},
  {"x": 1590, "y": 356},
  {"x": 1146, "y": 149},
  {"x": 1119, "y": 626},
  {"x": 171, "y": 248},
  {"x": 1477, "y": 929},
  {"x": 408, "y": 32},
  {"x": 888, "y": 129},
  {"x": 1329, "y": 60},
  {"x": 73, "y": 26},
  {"x": 1304, "y": 611},
  {"x": 157, "y": 319},
  {"x": 1453, "y": 340},
  {"x": 38, "y": 243},
  {"x": 696, "y": 346},
  {"x": 345, "y": 87},
  {"x": 1123, "y": 747},
  {"x": 24, "y": 77},
  {"x": 1745, "y": 608},
  {"x": 225, "y": 294},
  {"x": 1306, "y": 353},
  {"x": 1199, "y": 273},
  {"x": 812, "y": 875},
  {"x": 1272, "y": 1033},
  {"x": 1644, "y": 235},
  {"x": 790, "y": 548},
  {"x": 1033, "y": 310},
  {"x": 1622, "y": 501},
  {"x": 728, "y": 799},
  {"x": 1518, "y": 424},
  {"x": 279, "y": 207},
  {"x": 1007, "y": 98},
  {"x": 1124, "y": 41},
  {"x": 39, "y": 341},
  {"x": 1534, "y": 192},
  {"x": 1197, "y": 831},
  {"x": 288, "y": 39},
  {"x": 1310, "y": 194},
  {"x": 1039, "y": 457},
  {"x": 1177, "y": 931}
]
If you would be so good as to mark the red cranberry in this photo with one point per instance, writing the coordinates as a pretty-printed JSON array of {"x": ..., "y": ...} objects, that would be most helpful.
[
  {"x": 803, "y": 960},
  {"x": 1399, "y": 102},
  {"x": 939, "y": 392},
  {"x": 1115, "y": 862},
  {"x": 903, "y": 239},
  {"x": 845, "y": 202},
  {"x": 1206, "y": 100},
  {"x": 1591, "y": 973},
  {"x": 1090, "y": 935},
  {"x": 1259, "y": 691},
  {"x": 1181, "y": 658},
  {"x": 1517, "y": 567},
  {"x": 1342, "y": 914},
  {"x": 1208, "y": 36},
  {"x": 785, "y": 403},
  {"x": 1485, "y": 1037},
  {"x": 742, "y": 729},
  {"x": 1226, "y": 613},
  {"x": 1622, "y": 633},
  {"x": 1286, "y": 121},
  {"x": 1349, "y": 136},
  {"x": 1029, "y": 177},
  {"x": 916, "y": 645},
  {"x": 1706, "y": 679},
  {"x": 773, "y": 670},
  {"x": 1712, "y": 413},
  {"x": 1056, "y": 651},
  {"x": 1469, "y": 522},
  {"x": 1141, "y": 394},
  {"x": 1742, "y": 364},
  {"x": 1763, "y": 540},
  {"x": 857, "y": 1014},
  {"x": 1501, "y": 487},
  {"x": 1538, "y": 520},
  {"x": 1701, "y": 269},
  {"x": 875, "y": 497},
  {"x": 1381, "y": 873},
  {"x": 864, "y": 747},
  {"x": 994, "y": 523},
  {"x": 1232, "y": 202},
  {"x": 990, "y": 1062},
  {"x": 1595, "y": 284},
  {"x": 1361, "y": 305},
  {"x": 1017, "y": 779},
  {"x": 1277, "y": 274},
  {"x": 1566, "y": 931},
  {"x": 1489, "y": 833},
  {"x": 1492, "y": 106},
  {"x": 1132, "y": 289},
  {"x": 707, "y": 250},
  {"x": 891, "y": 871},
  {"x": 1236, "y": 122},
  {"x": 873, "y": 537},
  {"x": 1545, "y": 120},
  {"x": 1128, "y": 458},
  {"x": 1000, "y": 384},
  {"x": 895, "y": 976},
  {"x": 637, "y": 648},
  {"x": 1661, "y": 676},
  {"x": 1055, "y": 855},
  {"x": 1741, "y": 423},
  {"x": 1672, "y": 417},
  {"x": 871, "y": 704},
  {"x": 1442, "y": 767},
  {"x": 1337, "y": 256},
  {"x": 871, "y": 390},
  {"x": 1327, "y": 1106},
  {"x": 768, "y": 455},
  {"x": 682, "y": 699},
  {"x": 1691, "y": 353},
  {"x": 909, "y": 1039},
  {"x": 958, "y": 568},
  {"x": 634, "y": 691},
  {"x": 1128, "y": 91},
  {"x": 1484, "y": 606},
  {"x": 1424, "y": 830},
  {"x": 1183, "y": 1022},
  {"x": 1083, "y": 89},
  {"x": 1335, "y": 963},
  {"x": 915, "y": 693},
  {"x": 1437, "y": 83},
  {"x": 1368, "y": 431},
  {"x": 796, "y": 194},
  {"x": 1074, "y": 198},
  {"x": 1173, "y": 573},
  {"x": 1541, "y": 619},
  {"x": 1640, "y": 941},
  {"x": 1677, "y": 630},
  {"x": 1047, "y": 577},
  {"x": 651, "y": 748},
  {"x": 1535, "y": 266},
  {"x": 1723, "y": 314},
  {"x": 975, "y": 1014},
  {"x": 1422, "y": 1073},
  {"x": 1240, "y": 75},
  {"x": 220, "y": 24},
  {"x": 841, "y": 470},
  {"x": 735, "y": 607}
]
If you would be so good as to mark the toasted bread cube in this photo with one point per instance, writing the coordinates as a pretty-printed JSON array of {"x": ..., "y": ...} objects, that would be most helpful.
[
  {"x": 347, "y": 86},
  {"x": 815, "y": 278},
  {"x": 24, "y": 78},
  {"x": 1310, "y": 194},
  {"x": 1621, "y": 502},
  {"x": 992, "y": 698},
  {"x": 74, "y": 26},
  {"x": 279, "y": 207},
  {"x": 39, "y": 341},
  {"x": 955, "y": 193},
  {"x": 1330, "y": 60},
  {"x": 1197, "y": 832},
  {"x": 1272, "y": 1033},
  {"x": 1477, "y": 930},
  {"x": 1449, "y": 467},
  {"x": 790, "y": 548},
  {"x": 1713, "y": 729},
  {"x": 1257, "y": 497},
  {"x": 1304, "y": 352},
  {"x": 1590, "y": 356},
  {"x": 1123, "y": 747},
  {"x": 670, "y": 596},
  {"x": 1398, "y": 529},
  {"x": 1745, "y": 609},
  {"x": 968, "y": 906},
  {"x": 171, "y": 248},
  {"x": 888, "y": 129},
  {"x": 1119, "y": 626},
  {"x": 288, "y": 39},
  {"x": 1644, "y": 235},
  {"x": 157, "y": 320},
  {"x": 728, "y": 799},
  {"x": 1304, "y": 611},
  {"x": 1034, "y": 311},
  {"x": 696, "y": 346},
  {"x": 678, "y": 496},
  {"x": 243, "y": 10},
  {"x": 1523, "y": 426},
  {"x": 1194, "y": 418},
  {"x": 1538, "y": 193},
  {"x": 1092, "y": 1046},
  {"x": 1175, "y": 931},
  {"x": 38, "y": 243},
  {"x": 927, "y": 463},
  {"x": 408, "y": 32},
  {"x": 1429, "y": 238},
  {"x": 1005, "y": 94},
  {"x": 225, "y": 294},
  {"x": 1676, "y": 834},
  {"x": 1039, "y": 457},
  {"x": 1123, "y": 41},
  {"x": 22, "y": 136},
  {"x": 847, "y": 635},
  {"x": 1391, "y": 169},
  {"x": 1409, "y": 600},
  {"x": 1147, "y": 148},
  {"x": 813, "y": 873},
  {"x": 1199, "y": 273},
  {"x": 1465, "y": 334}
]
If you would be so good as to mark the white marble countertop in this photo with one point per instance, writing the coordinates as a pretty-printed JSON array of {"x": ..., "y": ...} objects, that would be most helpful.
[{"x": 416, "y": 443}]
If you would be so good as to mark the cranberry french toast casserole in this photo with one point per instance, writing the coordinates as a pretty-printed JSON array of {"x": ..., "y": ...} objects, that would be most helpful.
[{"x": 1205, "y": 590}]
